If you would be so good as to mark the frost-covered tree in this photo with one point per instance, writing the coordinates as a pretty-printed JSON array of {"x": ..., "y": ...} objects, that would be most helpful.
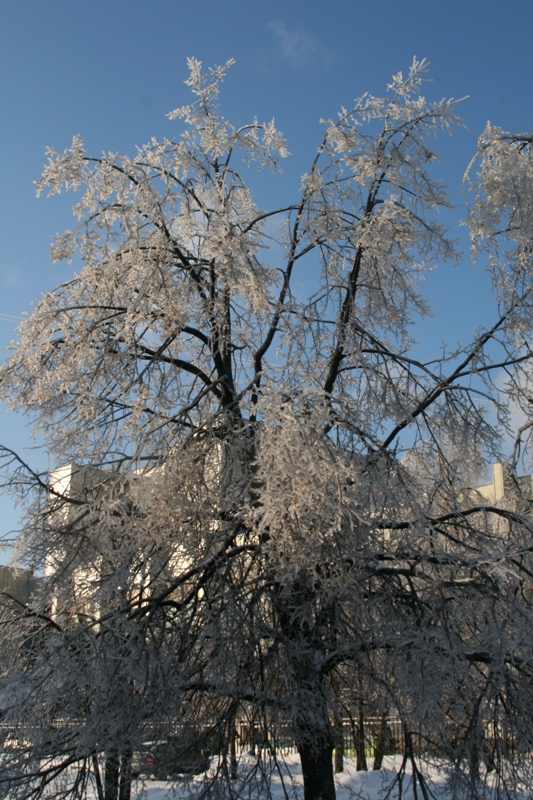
[{"x": 273, "y": 518}]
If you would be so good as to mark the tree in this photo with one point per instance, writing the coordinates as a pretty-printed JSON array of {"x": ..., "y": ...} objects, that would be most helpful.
[{"x": 273, "y": 511}]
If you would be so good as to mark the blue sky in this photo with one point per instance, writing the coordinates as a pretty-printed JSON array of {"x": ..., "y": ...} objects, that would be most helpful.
[{"x": 110, "y": 70}]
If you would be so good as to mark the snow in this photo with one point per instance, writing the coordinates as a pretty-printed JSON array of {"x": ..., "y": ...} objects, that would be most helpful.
[{"x": 350, "y": 784}]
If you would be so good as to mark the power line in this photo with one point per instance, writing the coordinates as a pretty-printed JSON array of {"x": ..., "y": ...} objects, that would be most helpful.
[{"x": 9, "y": 318}]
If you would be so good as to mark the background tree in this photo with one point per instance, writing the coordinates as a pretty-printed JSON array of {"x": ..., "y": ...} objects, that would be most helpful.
[{"x": 273, "y": 505}]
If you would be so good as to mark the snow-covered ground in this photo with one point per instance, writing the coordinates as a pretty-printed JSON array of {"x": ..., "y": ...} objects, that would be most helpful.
[
  {"x": 266, "y": 780},
  {"x": 350, "y": 784},
  {"x": 286, "y": 784}
]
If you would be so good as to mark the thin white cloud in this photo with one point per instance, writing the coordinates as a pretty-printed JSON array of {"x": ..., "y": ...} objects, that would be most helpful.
[{"x": 299, "y": 47}]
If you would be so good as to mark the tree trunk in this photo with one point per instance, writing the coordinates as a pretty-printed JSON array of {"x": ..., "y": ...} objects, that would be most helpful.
[
  {"x": 339, "y": 744},
  {"x": 473, "y": 765},
  {"x": 312, "y": 728},
  {"x": 98, "y": 778},
  {"x": 381, "y": 742},
  {"x": 233, "y": 750},
  {"x": 315, "y": 738},
  {"x": 360, "y": 739},
  {"x": 111, "y": 775},
  {"x": 317, "y": 770},
  {"x": 124, "y": 789}
]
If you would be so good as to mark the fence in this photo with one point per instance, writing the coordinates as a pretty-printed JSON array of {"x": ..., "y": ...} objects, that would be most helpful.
[
  {"x": 251, "y": 736},
  {"x": 279, "y": 737}
]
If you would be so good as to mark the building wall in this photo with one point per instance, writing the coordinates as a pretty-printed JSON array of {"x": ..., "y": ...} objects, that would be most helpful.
[
  {"x": 18, "y": 583},
  {"x": 506, "y": 485},
  {"x": 15, "y": 585}
]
